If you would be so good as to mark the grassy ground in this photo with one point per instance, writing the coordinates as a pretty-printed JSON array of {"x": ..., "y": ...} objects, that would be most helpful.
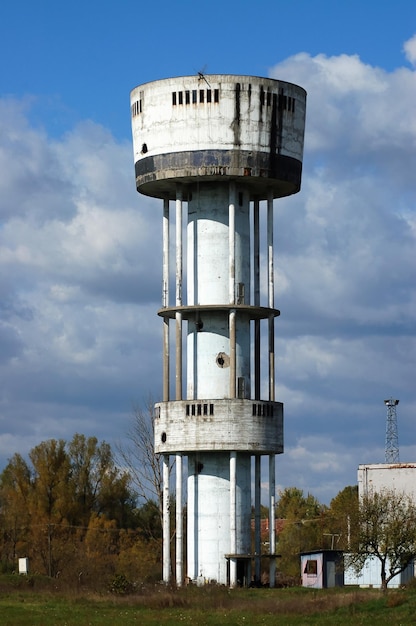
[{"x": 214, "y": 606}]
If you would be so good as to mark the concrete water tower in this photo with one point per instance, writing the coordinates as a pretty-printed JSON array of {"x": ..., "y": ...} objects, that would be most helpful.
[{"x": 219, "y": 147}]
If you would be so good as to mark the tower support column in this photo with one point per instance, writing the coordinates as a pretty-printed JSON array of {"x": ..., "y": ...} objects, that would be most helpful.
[
  {"x": 179, "y": 279},
  {"x": 179, "y": 520},
  {"x": 233, "y": 520},
  {"x": 257, "y": 517},
  {"x": 165, "y": 297},
  {"x": 272, "y": 519},
  {"x": 256, "y": 289},
  {"x": 270, "y": 274},
  {"x": 166, "y": 521}
]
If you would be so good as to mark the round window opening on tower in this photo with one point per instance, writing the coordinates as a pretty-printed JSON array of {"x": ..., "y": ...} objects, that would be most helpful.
[
  {"x": 163, "y": 437},
  {"x": 223, "y": 360}
]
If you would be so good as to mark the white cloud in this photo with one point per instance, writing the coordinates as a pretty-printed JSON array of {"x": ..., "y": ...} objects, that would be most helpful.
[
  {"x": 410, "y": 50},
  {"x": 348, "y": 256},
  {"x": 80, "y": 253},
  {"x": 355, "y": 111},
  {"x": 347, "y": 242},
  {"x": 79, "y": 286}
]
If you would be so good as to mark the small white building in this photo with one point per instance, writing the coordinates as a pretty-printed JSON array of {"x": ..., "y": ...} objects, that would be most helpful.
[
  {"x": 321, "y": 569},
  {"x": 400, "y": 477},
  {"x": 370, "y": 575},
  {"x": 378, "y": 476}
]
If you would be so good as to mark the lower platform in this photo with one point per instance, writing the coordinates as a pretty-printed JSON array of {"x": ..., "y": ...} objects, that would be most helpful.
[{"x": 206, "y": 425}]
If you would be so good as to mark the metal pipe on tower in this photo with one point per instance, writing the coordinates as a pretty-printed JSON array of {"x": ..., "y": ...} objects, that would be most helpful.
[{"x": 218, "y": 146}]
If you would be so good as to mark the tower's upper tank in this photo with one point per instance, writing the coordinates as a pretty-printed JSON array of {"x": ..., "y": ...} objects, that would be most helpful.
[{"x": 217, "y": 127}]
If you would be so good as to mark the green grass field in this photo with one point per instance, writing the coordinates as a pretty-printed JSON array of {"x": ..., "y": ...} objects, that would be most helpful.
[{"x": 214, "y": 606}]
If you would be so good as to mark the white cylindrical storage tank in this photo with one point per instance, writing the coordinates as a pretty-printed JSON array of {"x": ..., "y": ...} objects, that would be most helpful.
[
  {"x": 208, "y": 246},
  {"x": 192, "y": 129},
  {"x": 208, "y": 352},
  {"x": 209, "y": 513}
]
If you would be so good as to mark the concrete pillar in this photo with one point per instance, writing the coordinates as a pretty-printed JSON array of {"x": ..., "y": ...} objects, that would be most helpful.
[
  {"x": 270, "y": 274},
  {"x": 165, "y": 297},
  {"x": 179, "y": 521},
  {"x": 256, "y": 289},
  {"x": 233, "y": 518},
  {"x": 257, "y": 516},
  {"x": 272, "y": 518},
  {"x": 166, "y": 520},
  {"x": 179, "y": 278}
]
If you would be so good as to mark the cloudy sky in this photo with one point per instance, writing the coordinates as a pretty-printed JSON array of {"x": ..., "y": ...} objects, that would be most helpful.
[{"x": 80, "y": 270}]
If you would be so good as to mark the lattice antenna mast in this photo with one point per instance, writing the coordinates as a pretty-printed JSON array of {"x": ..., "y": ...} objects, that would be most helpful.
[{"x": 392, "y": 439}]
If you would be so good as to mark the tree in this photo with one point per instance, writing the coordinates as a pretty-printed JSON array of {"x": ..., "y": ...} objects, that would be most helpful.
[
  {"x": 89, "y": 464},
  {"x": 342, "y": 518},
  {"x": 139, "y": 457},
  {"x": 139, "y": 559},
  {"x": 116, "y": 499},
  {"x": 50, "y": 504},
  {"x": 15, "y": 483},
  {"x": 98, "y": 486},
  {"x": 302, "y": 529},
  {"x": 386, "y": 531},
  {"x": 51, "y": 474},
  {"x": 47, "y": 505},
  {"x": 148, "y": 521},
  {"x": 294, "y": 505}
]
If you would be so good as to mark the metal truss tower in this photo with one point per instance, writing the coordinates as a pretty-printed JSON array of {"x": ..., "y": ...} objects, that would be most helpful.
[{"x": 392, "y": 439}]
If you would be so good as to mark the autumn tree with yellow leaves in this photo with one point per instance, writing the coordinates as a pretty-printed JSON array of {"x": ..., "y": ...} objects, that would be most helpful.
[{"x": 73, "y": 512}]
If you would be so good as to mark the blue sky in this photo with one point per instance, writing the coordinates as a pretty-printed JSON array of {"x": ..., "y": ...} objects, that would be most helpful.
[
  {"x": 81, "y": 59},
  {"x": 79, "y": 280}
]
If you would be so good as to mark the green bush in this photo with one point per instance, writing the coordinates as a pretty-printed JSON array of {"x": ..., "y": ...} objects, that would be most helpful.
[{"x": 121, "y": 586}]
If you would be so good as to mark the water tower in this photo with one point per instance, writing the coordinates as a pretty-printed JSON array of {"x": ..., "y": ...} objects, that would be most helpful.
[{"x": 218, "y": 148}]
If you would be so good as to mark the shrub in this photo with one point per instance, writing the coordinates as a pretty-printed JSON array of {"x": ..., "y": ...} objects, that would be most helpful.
[{"x": 121, "y": 586}]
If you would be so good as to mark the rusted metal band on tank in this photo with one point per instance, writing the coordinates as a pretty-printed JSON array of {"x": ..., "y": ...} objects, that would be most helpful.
[{"x": 283, "y": 173}]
